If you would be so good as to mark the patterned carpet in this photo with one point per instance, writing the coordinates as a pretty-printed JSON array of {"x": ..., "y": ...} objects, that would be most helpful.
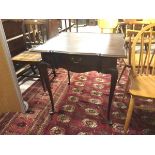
[{"x": 81, "y": 109}]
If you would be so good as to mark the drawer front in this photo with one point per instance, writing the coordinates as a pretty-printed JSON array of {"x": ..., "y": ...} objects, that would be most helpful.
[{"x": 77, "y": 63}]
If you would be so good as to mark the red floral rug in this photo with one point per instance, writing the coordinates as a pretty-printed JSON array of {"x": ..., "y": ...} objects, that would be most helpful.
[{"x": 81, "y": 109}]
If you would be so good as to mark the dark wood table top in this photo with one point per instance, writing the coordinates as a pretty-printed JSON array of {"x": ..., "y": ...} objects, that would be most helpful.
[{"x": 108, "y": 45}]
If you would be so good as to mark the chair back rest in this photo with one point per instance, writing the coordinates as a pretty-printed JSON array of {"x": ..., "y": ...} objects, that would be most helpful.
[
  {"x": 145, "y": 41},
  {"x": 35, "y": 32},
  {"x": 132, "y": 29}
]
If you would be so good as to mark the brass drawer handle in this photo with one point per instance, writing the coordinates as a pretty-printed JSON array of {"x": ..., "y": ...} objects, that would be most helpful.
[{"x": 76, "y": 60}]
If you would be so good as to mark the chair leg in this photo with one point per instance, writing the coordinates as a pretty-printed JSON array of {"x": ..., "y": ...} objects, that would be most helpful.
[
  {"x": 129, "y": 114},
  {"x": 126, "y": 87},
  {"x": 33, "y": 70},
  {"x": 122, "y": 73}
]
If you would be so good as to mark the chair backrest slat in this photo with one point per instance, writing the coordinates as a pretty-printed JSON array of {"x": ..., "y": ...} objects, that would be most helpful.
[
  {"x": 35, "y": 32},
  {"x": 132, "y": 29},
  {"x": 146, "y": 58},
  {"x": 149, "y": 52},
  {"x": 153, "y": 60},
  {"x": 140, "y": 66},
  {"x": 29, "y": 33}
]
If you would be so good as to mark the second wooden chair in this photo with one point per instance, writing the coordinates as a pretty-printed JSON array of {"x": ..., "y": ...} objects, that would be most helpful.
[
  {"x": 142, "y": 75},
  {"x": 35, "y": 32}
]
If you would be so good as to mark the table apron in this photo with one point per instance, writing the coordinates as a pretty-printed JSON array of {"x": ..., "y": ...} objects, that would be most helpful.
[{"x": 80, "y": 63}]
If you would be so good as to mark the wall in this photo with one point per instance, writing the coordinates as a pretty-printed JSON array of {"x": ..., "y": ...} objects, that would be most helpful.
[{"x": 10, "y": 96}]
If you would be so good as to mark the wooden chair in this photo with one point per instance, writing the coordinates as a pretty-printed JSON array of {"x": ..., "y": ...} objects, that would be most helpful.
[
  {"x": 35, "y": 32},
  {"x": 142, "y": 75},
  {"x": 108, "y": 26},
  {"x": 65, "y": 25},
  {"x": 132, "y": 29},
  {"x": 133, "y": 26}
]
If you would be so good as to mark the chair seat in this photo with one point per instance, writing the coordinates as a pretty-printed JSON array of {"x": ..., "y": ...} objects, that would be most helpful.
[
  {"x": 143, "y": 86},
  {"x": 27, "y": 56}
]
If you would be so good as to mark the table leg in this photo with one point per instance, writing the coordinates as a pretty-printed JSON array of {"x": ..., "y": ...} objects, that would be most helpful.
[
  {"x": 54, "y": 72},
  {"x": 68, "y": 77},
  {"x": 44, "y": 74},
  {"x": 114, "y": 77},
  {"x": 41, "y": 77}
]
